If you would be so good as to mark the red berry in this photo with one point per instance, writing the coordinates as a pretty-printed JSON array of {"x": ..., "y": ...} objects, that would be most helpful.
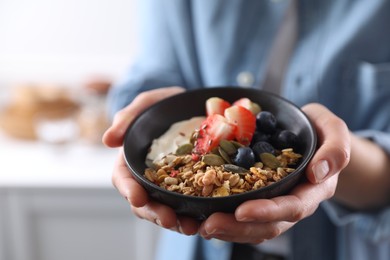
[
  {"x": 213, "y": 129},
  {"x": 245, "y": 123},
  {"x": 248, "y": 104},
  {"x": 216, "y": 105}
]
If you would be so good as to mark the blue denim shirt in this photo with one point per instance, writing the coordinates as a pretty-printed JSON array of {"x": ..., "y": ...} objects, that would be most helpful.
[{"x": 341, "y": 59}]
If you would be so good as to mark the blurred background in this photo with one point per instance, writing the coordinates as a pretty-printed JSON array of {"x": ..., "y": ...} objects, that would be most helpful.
[{"x": 58, "y": 59}]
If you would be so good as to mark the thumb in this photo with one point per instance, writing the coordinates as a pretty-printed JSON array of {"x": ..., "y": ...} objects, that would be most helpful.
[
  {"x": 334, "y": 148},
  {"x": 113, "y": 136}
]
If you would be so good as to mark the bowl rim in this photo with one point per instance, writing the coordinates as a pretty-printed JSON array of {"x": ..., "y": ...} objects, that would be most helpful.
[{"x": 140, "y": 177}]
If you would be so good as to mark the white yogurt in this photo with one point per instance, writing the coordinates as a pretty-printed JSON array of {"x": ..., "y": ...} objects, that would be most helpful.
[{"x": 178, "y": 134}]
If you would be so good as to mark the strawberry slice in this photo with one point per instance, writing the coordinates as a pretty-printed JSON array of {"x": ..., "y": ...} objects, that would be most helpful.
[
  {"x": 216, "y": 105},
  {"x": 248, "y": 104},
  {"x": 212, "y": 130},
  {"x": 245, "y": 123}
]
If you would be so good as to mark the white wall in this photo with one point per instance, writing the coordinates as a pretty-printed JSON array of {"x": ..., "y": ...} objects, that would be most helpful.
[{"x": 64, "y": 41}]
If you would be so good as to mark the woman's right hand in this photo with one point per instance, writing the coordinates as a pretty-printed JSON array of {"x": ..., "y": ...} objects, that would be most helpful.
[{"x": 123, "y": 180}]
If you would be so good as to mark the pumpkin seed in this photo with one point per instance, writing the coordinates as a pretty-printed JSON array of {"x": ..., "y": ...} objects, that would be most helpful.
[
  {"x": 235, "y": 169},
  {"x": 224, "y": 155},
  {"x": 237, "y": 144},
  {"x": 213, "y": 159},
  {"x": 184, "y": 149},
  {"x": 215, "y": 151},
  {"x": 269, "y": 160},
  {"x": 228, "y": 147}
]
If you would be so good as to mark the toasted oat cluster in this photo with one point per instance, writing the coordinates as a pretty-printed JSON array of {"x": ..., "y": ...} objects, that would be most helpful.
[{"x": 190, "y": 176}]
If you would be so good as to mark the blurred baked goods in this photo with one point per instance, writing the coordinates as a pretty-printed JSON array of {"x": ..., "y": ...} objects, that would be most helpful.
[
  {"x": 57, "y": 114},
  {"x": 92, "y": 118},
  {"x": 28, "y": 102},
  {"x": 97, "y": 84}
]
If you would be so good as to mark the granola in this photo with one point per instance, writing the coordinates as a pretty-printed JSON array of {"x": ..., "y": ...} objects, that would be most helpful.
[{"x": 183, "y": 174}]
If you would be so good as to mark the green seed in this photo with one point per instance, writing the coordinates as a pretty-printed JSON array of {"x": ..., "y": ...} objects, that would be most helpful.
[
  {"x": 184, "y": 149},
  {"x": 215, "y": 150},
  {"x": 224, "y": 155},
  {"x": 237, "y": 144},
  {"x": 235, "y": 169},
  {"x": 228, "y": 147},
  {"x": 269, "y": 160},
  {"x": 213, "y": 159}
]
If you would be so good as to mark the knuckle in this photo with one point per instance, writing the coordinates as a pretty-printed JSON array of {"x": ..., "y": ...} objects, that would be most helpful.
[
  {"x": 120, "y": 115},
  {"x": 303, "y": 211},
  {"x": 274, "y": 231},
  {"x": 298, "y": 214},
  {"x": 342, "y": 155}
]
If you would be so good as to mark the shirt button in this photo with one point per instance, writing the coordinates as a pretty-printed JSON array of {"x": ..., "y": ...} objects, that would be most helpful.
[
  {"x": 298, "y": 81},
  {"x": 245, "y": 79}
]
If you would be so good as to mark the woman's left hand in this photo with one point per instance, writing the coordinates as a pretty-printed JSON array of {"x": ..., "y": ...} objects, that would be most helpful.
[{"x": 259, "y": 220}]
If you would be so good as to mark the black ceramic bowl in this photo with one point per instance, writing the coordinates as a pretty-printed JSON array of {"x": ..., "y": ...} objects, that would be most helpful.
[{"x": 156, "y": 120}]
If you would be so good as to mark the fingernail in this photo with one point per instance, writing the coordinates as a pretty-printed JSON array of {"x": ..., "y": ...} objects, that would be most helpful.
[
  {"x": 320, "y": 170},
  {"x": 210, "y": 232},
  {"x": 216, "y": 232},
  {"x": 245, "y": 219},
  {"x": 158, "y": 222},
  {"x": 206, "y": 233},
  {"x": 179, "y": 228}
]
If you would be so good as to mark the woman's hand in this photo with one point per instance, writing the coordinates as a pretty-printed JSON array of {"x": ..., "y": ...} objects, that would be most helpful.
[
  {"x": 258, "y": 220},
  {"x": 123, "y": 180},
  {"x": 254, "y": 221}
]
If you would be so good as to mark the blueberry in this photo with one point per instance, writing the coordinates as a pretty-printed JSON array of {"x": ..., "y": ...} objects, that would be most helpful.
[
  {"x": 275, "y": 137},
  {"x": 260, "y": 137},
  {"x": 262, "y": 147},
  {"x": 266, "y": 122},
  {"x": 286, "y": 139},
  {"x": 244, "y": 157}
]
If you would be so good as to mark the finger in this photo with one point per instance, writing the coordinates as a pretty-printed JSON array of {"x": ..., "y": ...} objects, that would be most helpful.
[
  {"x": 299, "y": 204},
  {"x": 254, "y": 234},
  {"x": 127, "y": 186},
  {"x": 225, "y": 227},
  {"x": 113, "y": 136},
  {"x": 334, "y": 140},
  {"x": 165, "y": 217},
  {"x": 188, "y": 226},
  {"x": 157, "y": 213}
]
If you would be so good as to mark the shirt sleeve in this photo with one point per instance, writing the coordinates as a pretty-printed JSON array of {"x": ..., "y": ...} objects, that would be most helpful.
[
  {"x": 374, "y": 226},
  {"x": 155, "y": 65}
]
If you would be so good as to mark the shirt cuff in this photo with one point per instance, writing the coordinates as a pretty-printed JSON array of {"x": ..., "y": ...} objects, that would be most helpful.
[
  {"x": 375, "y": 226},
  {"x": 380, "y": 138}
]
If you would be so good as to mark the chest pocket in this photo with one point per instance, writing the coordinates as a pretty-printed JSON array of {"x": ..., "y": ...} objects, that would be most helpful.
[{"x": 370, "y": 94}]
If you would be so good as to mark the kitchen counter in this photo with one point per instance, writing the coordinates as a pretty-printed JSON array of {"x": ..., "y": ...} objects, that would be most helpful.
[
  {"x": 58, "y": 202},
  {"x": 38, "y": 164}
]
